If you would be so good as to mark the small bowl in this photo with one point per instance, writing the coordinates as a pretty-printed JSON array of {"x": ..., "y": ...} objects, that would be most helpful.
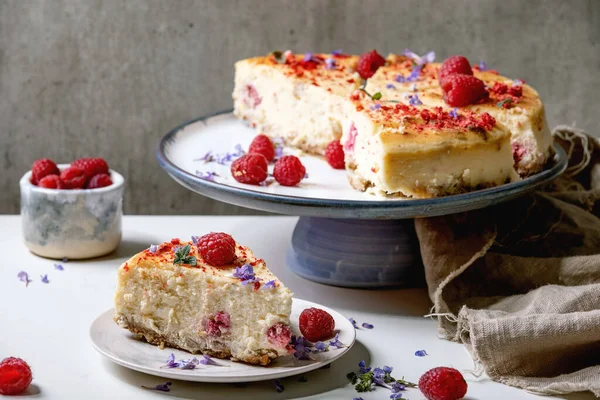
[{"x": 73, "y": 224}]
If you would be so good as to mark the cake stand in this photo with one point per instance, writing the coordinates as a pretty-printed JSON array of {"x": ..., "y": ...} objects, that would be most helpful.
[{"x": 343, "y": 237}]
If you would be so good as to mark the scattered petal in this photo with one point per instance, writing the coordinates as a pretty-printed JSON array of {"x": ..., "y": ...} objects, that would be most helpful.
[
  {"x": 482, "y": 66},
  {"x": 414, "y": 100},
  {"x": 363, "y": 368},
  {"x": 336, "y": 52},
  {"x": 59, "y": 267},
  {"x": 353, "y": 322},
  {"x": 308, "y": 57},
  {"x": 320, "y": 347},
  {"x": 375, "y": 107},
  {"x": 420, "y": 60},
  {"x": 170, "y": 363},
  {"x": 65, "y": 260},
  {"x": 390, "y": 86},
  {"x": 454, "y": 113},
  {"x": 269, "y": 284},
  {"x": 45, "y": 278},
  {"x": 206, "y": 360},
  {"x": 153, "y": 248},
  {"x": 190, "y": 364},
  {"x": 421, "y": 353},
  {"x": 24, "y": 277},
  {"x": 207, "y": 175},
  {"x": 162, "y": 388},
  {"x": 387, "y": 370},
  {"x": 245, "y": 273},
  {"x": 278, "y": 386},
  {"x": 396, "y": 395},
  {"x": 366, "y": 325},
  {"x": 195, "y": 240},
  {"x": 397, "y": 387},
  {"x": 335, "y": 342},
  {"x": 330, "y": 63}
]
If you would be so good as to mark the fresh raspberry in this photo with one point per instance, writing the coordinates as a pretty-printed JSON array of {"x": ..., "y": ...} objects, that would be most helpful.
[
  {"x": 217, "y": 248},
  {"x": 462, "y": 90},
  {"x": 263, "y": 145},
  {"x": 73, "y": 178},
  {"x": 368, "y": 63},
  {"x": 516, "y": 91},
  {"x": 15, "y": 376},
  {"x": 98, "y": 181},
  {"x": 50, "y": 182},
  {"x": 42, "y": 168},
  {"x": 334, "y": 154},
  {"x": 455, "y": 65},
  {"x": 443, "y": 383},
  {"x": 250, "y": 168},
  {"x": 499, "y": 88},
  {"x": 289, "y": 171},
  {"x": 316, "y": 324},
  {"x": 91, "y": 166}
]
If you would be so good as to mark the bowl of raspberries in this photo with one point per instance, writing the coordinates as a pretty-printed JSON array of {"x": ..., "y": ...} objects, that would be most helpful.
[{"x": 72, "y": 210}]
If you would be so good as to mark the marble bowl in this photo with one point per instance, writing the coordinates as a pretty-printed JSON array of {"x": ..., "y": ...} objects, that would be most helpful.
[{"x": 73, "y": 224}]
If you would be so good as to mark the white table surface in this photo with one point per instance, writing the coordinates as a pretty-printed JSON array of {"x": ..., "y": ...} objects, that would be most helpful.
[{"x": 47, "y": 324}]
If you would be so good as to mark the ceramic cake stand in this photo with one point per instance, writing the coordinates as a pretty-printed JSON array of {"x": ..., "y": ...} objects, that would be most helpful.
[{"x": 344, "y": 237}]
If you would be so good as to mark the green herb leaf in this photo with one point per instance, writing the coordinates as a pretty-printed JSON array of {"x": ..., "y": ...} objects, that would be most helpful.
[
  {"x": 182, "y": 256},
  {"x": 376, "y": 96},
  {"x": 352, "y": 377},
  {"x": 501, "y": 104},
  {"x": 365, "y": 382}
]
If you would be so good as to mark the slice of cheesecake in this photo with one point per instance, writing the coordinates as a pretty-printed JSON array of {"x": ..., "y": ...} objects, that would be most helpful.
[
  {"x": 298, "y": 97},
  {"x": 168, "y": 295},
  {"x": 515, "y": 106}
]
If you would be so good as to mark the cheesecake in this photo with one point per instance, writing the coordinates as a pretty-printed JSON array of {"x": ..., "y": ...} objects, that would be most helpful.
[
  {"x": 399, "y": 136},
  {"x": 169, "y": 296},
  {"x": 516, "y": 106}
]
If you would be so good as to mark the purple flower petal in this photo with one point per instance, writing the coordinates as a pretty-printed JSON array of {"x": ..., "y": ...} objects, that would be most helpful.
[
  {"x": 390, "y": 86},
  {"x": 161, "y": 388},
  {"x": 366, "y": 325},
  {"x": 153, "y": 248},
  {"x": 269, "y": 285},
  {"x": 414, "y": 100},
  {"x": 421, "y": 353},
  {"x": 363, "y": 367},
  {"x": 330, "y": 63},
  {"x": 482, "y": 66},
  {"x": 170, "y": 363},
  {"x": 206, "y": 360},
  {"x": 45, "y": 278},
  {"x": 278, "y": 386},
  {"x": 454, "y": 113},
  {"x": 59, "y": 267},
  {"x": 337, "y": 52},
  {"x": 192, "y": 363},
  {"x": 353, "y": 322},
  {"x": 387, "y": 370},
  {"x": 397, "y": 387},
  {"x": 320, "y": 347},
  {"x": 396, "y": 395},
  {"x": 307, "y": 57},
  {"x": 335, "y": 342},
  {"x": 420, "y": 60},
  {"x": 195, "y": 240},
  {"x": 208, "y": 175},
  {"x": 65, "y": 260},
  {"x": 245, "y": 273},
  {"x": 24, "y": 277},
  {"x": 208, "y": 157}
]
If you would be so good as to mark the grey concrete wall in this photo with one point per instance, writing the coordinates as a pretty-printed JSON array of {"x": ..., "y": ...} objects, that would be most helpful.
[{"x": 109, "y": 78}]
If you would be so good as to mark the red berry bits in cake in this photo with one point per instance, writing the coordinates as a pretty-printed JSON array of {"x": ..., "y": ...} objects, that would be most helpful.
[
  {"x": 316, "y": 324},
  {"x": 334, "y": 154},
  {"x": 279, "y": 335},
  {"x": 91, "y": 166},
  {"x": 462, "y": 90},
  {"x": 454, "y": 65},
  {"x": 50, "y": 182},
  {"x": 289, "y": 171},
  {"x": 98, "y": 181},
  {"x": 73, "y": 178},
  {"x": 251, "y": 97},
  {"x": 42, "y": 168},
  {"x": 263, "y": 145},
  {"x": 369, "y": 63},
  {"x": 217, "y": 249},
  {"x": 219, "y": 324},
  {"x": 15, "y": 376},
  {"x": 250, "y": 169},
  {"x": 443, "y": 383}
]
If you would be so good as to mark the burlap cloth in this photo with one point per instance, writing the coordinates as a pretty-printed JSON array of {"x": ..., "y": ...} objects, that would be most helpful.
[{"x": 519, "y": 284}]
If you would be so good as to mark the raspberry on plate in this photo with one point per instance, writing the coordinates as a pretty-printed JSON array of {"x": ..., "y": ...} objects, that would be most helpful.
[
  {"x": 217, "y": 248},
  {"x": 455, "y": 65},
  {"x": 98, "y": 181},
  {"x": 289, "y": 171},
  {"x": 50, "y": 182},
  {"x": 368, "y": 63},
  {"x": 250, "y": 168},
  {"x": 263, "y": 145},
  {"x": 91, "y": 166},
  {"x": 461, "y": 90},
  {"x": 334, "y": 154},
  {"x": 443, "y": 383},
  {"x": 42, "y": 168},
  {"x": 73, "y": 178},
  {"x": 316, "y": 324},
  {"x": 15, "y": 376}
]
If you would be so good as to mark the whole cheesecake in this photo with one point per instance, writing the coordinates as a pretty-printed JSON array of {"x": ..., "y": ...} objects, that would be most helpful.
[
  {"x": 399, "y": 136},
  {"x": 240, "y": 310}
]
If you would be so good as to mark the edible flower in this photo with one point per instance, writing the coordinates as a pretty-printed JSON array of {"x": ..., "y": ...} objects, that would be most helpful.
[
  {"x": 420, "y": 60},
  {"x": 366, "y": 379},
  {"x": 278, "y": 143},
  {"x": 414, "y": 100},
  {"x": 153, "y": 248},
  {"x": 161, "y": 388},
  {"x": 482, "y": 66},
  {"x": 336, "y": 52},
  {"x": 269, "y": 285},
  {"x": 45, "y": 278},
  {"x": 454, "y": 113},
  {"x": 245, "y": 273},
  {"x": 375, "y": 107},
  {"x": 330, "y": 63},
  {"x": 421, "y": 353},
  {"x": 320, "y": 347},
  {"x": 278, "y": 386},
  {"x": 366, "y": 325},
  {"x": 171, "y": 363},
  {"x": 24, "y": 277},
  {"x": 65, "y": 260},
  {"x": 390, "y": 86},
  {"x": 208, "y": 175},
  {"x": 59, "y": 267},
  {"x": 206, "y": 360},
  {"x": 353, "y": 322},
  {"x": 192, "y": 363},
  {"x": 335, "y": 342},
  {"x": 362, "y": 367},
  {"x": 208, "y": 157},
  {"x": 195, "y": 240},
  {"x": 414, "y": 75}
]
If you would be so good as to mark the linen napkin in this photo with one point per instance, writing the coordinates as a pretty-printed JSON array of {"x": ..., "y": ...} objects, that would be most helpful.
[{"x": 519, "y": 283}]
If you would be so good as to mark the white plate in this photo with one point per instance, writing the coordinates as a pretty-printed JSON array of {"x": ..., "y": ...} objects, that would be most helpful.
[{"x": 120, "y": 346}]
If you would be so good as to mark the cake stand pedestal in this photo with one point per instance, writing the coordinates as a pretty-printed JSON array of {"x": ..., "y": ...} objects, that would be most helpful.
[{"x": 344, "y": 237}]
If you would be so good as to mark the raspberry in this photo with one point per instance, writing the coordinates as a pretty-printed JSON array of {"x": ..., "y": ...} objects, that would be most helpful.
[
  {"x": 219, "y": 324},
  {"x": 279, "y": 335},
  {"x": 251, "y": 97},
  {"x": 73, "y": 178},
  {"x": 42, "y": 168},
  {"x": 217, "y": 248},
  {"x": 368, "y": 63},
  {"x": 462, "y": 90},
  {"x": 334, "y": 154},
  {"x": 263, "y": 145},
  {"x": 316, "y": 324},
  {"x": 15, "y": 376},
  {"x": 50, "y": 182},
  {"x": 98, "y": 181},
  {"x": 251, "y": 169},
  {"x": 289, "y": 171},
  {"x": 516, "y": 91},
  {"x": 443, "y": 383},
  {"x": 454, "y": 65},
  {"x": 91, "y": 166}
]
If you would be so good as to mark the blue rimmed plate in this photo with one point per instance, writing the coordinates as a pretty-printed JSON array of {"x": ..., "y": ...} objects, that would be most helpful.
[{"x": 325, "y": 193}]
